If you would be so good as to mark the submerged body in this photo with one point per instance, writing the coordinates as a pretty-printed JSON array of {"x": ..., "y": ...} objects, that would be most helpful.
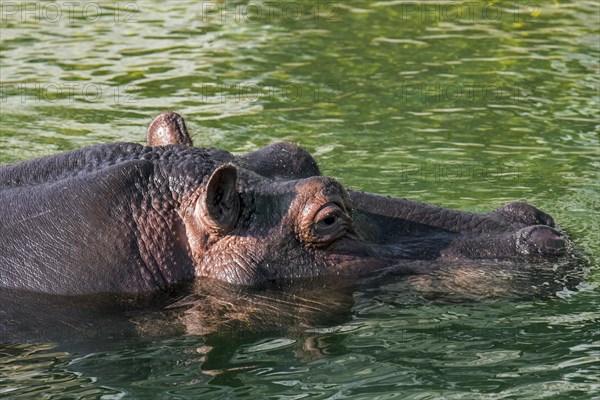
[{"x": 127, "y": 218}]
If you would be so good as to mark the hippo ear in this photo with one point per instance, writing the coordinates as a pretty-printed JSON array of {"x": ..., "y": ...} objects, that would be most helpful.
[
  {"x": 168, "y": 128},
  {"x": 220, "y": 205}
]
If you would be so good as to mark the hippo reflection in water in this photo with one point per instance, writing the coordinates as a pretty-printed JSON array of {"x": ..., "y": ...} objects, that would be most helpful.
[{"x": 127, "y": 218}]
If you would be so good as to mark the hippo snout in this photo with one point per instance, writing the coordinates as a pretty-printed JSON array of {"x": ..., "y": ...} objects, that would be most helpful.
[{"x": 540, "y": 240}]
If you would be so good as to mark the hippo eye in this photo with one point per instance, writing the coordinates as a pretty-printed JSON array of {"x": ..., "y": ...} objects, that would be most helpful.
[{"x": 329, "y": 223}]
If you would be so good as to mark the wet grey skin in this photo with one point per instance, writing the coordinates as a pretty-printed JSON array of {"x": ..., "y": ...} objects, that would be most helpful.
[{"x": 127, "y": 218}]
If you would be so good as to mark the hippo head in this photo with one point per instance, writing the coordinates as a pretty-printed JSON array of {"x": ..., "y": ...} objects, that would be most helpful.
[
  {"x": 244, "y": 228},
  {"x": 269, "y": 215}
]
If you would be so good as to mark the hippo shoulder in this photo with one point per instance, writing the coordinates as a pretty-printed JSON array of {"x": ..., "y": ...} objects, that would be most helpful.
[{"x": 93, "y": 159}]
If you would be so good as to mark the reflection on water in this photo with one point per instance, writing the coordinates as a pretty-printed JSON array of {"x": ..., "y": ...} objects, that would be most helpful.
[
  {"x": 463, "y": 105},
  {"x": 217, "y": 335}
]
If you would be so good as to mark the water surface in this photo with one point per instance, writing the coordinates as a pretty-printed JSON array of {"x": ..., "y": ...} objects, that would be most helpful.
[{"x": 465, "y": 105}]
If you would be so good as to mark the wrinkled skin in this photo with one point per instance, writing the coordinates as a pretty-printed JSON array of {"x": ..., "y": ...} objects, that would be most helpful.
[{"x": 124, "y": 218}]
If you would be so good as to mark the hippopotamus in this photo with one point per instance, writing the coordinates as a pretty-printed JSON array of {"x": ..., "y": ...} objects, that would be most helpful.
[{"x": 129, "y": 218}]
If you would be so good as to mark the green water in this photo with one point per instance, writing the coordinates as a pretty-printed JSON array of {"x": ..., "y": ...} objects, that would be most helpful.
[{"x": 466, "y": 105}]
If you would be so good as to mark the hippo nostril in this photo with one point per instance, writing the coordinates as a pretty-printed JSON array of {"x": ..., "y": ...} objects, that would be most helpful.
[{"x": 540, "y": 239}]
